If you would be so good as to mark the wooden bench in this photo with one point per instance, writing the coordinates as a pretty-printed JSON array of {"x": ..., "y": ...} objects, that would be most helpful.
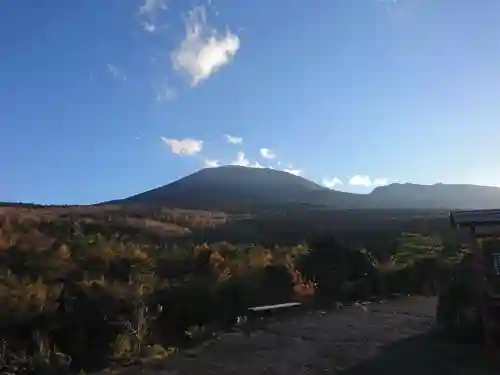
[{"x": 255, "y": 316}]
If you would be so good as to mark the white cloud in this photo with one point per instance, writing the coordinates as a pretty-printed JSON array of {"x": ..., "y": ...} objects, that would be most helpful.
[
  {"x": 360, "y": 180},
  {"x": 380, "y": 181},
  {"x": 211, "y": 163},
  {"x": 296, "y": 172},
  {"x": 234, "y": 140},
  {"x": 149, "y": 27},
  {"x": 364, "y": 180},
  {"x": 241, "y": 160},
  {"x": 116, "y": 72},
  {"x": 291, "y": 169},
  {"x": 150, "y": 7},
  {"x": 203, "y": 51},
  {"x": 184, "y": 147},
  {"x": 331, "y": 182},
  {"x": 267, "y": 153},
  {"x": 257, "y": 165}
]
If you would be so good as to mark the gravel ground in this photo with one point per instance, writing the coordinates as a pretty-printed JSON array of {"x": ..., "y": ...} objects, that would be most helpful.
[{"x": 379, "y": 338}]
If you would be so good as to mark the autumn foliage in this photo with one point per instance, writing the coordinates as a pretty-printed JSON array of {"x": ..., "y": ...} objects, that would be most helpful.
[{"x": 88, "y": 288}]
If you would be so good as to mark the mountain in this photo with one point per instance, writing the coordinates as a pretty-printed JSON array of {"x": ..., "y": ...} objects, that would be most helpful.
[
  {"x": 229, "y": 186},
  {"x": 448, "y": 196},
  {"x": 235, "y": 187}
]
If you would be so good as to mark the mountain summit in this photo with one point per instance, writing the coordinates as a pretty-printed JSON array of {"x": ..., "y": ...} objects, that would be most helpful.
[
  {"x": 232, "y": 187},
  {"x": 229, "y": 186}
]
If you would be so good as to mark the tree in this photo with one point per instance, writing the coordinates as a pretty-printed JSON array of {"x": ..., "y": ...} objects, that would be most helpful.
[{"x": 332, "y": 267}]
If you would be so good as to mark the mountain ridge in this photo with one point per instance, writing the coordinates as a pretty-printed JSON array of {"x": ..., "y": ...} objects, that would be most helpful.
[{"x": 237, "y": 186}]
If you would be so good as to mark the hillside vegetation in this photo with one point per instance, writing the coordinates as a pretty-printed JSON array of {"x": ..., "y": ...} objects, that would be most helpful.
[{"x": 84, "y": 288}]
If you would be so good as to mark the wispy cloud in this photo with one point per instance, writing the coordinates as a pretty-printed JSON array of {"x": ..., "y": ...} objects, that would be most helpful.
[
  {"x": 294, "y": 171},
  {"x": 234, "y": 140},
  {"x": 290, "y": 168},
  {"x": 364, "y": 180},
  {"x": 184, "y": 147},
  {"x": 166, "y": 94},
  {"x": 330, "y": 183},
  {"x": 267, "y": 153},
  {"x": 149, "y": 27},
  {"x": 151, "y": 7},
  {"x": 203, "y": 51},
  {"x": 149, "y": 10},
  {"x": 211, "y": 163},
  {"x": 380, "y": 181},
  {"x": 241, "y": 160},
  {"x": 257, "y": 165},
  {"x": 116, "y": 72}
]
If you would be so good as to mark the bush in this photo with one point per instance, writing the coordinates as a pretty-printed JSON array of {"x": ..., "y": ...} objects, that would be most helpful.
[{"x": 105, "y": 286}]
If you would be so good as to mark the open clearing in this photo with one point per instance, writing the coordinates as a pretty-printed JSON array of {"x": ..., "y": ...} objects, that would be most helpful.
[{"x": 380, "y": 338}]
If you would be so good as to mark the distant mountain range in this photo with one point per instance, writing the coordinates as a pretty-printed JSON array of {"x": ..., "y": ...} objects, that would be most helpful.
[{"x": 233, "y": 187}]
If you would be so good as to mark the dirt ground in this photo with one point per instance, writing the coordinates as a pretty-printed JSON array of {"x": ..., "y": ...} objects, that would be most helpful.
[{"x": 381, "y": 338}]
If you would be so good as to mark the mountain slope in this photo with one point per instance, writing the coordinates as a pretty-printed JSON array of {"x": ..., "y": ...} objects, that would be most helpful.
[
  {"x": 449, "y": 196},
  {"x": 234, "y": 187},
  {"x": 230, "y": 186}
]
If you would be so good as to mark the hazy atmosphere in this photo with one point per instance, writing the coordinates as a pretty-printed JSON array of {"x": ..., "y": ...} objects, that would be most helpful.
[{"x": 103, "y": 99}]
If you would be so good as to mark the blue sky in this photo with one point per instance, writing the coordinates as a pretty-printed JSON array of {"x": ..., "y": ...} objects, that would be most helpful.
[{"x": 101, "y": 99}]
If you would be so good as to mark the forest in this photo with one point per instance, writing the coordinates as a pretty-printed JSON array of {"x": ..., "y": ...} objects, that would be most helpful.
[{"x": 83, "y": 288}]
